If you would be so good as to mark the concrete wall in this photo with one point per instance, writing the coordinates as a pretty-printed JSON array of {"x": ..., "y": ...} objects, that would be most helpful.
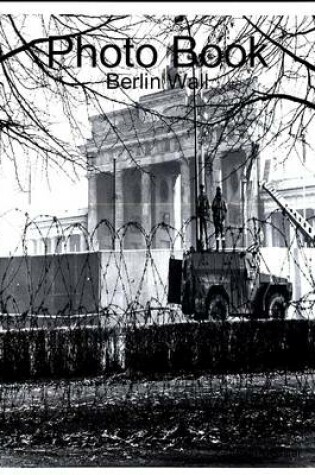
[
  {"x": 83, "y": 283},
  {"x": 137, "y": 275},
  {"x": 134, "y": 275},
  {"x": 51, "y": 284},
  {"x": 88, "y": 282}
]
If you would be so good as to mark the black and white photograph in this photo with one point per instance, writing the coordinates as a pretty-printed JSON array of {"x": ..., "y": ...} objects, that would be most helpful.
[{"x": 157, "y": 235}]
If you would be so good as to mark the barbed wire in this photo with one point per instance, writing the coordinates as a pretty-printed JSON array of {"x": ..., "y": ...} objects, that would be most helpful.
[{"x": 89, "y": 335}]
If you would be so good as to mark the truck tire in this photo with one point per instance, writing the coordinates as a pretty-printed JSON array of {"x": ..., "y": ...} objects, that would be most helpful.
[
  {"x": 276, "y": 306},
  {"x": 218, "y": 307}
]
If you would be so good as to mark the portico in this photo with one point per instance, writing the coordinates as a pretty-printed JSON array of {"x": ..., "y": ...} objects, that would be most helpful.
[{"x": 142, "y": 178}]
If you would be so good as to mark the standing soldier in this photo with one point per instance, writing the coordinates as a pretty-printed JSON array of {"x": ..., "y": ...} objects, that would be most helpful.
[
  {"x": 203, "y": 213},
  {"x": 219, "y": 210}
]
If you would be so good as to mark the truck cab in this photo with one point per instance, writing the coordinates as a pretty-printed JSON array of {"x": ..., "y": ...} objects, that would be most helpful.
[{"x": 215, "y": 285}]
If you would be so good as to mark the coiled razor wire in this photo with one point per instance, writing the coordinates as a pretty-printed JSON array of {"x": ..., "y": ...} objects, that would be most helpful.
[{"x": 115, "y": 341}]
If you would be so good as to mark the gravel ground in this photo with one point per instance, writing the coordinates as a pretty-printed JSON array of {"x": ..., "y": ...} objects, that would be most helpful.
[{"x": 204, "y": 420}]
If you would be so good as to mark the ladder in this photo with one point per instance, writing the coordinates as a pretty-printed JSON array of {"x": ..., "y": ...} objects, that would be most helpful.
[{"x": 295, "y": 217}]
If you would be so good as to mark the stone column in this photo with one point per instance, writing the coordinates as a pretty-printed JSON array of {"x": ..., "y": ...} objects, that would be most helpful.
[
  {"x": 210, "y": 192},
  {"x": 244, "y": 209},
  {"x": 186, "y": 202},
  {"x": 82, "y": 242},
  {"x": 53, "y": 244},
  {"x": 146, "y": 201},
  {"x": 251, "y": 176},
  {"x": 92, "y": 211},
  {"x": 253, "y": 163},
  {"x": 119, "y": 205},
  {"x": 267, "y": 226},
  {"x": 295, "y": 266},
  {"x": 177, "y": 211}
]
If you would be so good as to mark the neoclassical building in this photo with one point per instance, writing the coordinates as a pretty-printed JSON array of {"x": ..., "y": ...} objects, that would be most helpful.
[
  {"x": 64, "y": 234},
  {"x": 299, "y": 193},
  {"x": 142, "y": 167}
]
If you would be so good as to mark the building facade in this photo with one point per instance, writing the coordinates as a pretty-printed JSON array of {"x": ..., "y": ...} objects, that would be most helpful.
[
  {"x": 66, "y": 233},
  {"x": 142, "y": 169},
  {"x": 299, "y": 194}
]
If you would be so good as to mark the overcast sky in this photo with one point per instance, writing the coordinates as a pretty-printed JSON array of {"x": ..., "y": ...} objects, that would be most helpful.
[{"x": 60, "y": 193}]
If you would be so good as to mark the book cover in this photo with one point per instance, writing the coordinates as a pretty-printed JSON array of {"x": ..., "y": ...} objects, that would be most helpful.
[{"x": 157, "y": 235}]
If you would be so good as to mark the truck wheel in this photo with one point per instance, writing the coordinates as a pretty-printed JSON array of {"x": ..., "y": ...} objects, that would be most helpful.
[
  {"x": 277, "y": 305},
  {"x": 217, "y": 307}
]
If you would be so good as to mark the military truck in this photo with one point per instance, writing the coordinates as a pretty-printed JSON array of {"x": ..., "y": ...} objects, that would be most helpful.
[{"x": 215, "y": 285}]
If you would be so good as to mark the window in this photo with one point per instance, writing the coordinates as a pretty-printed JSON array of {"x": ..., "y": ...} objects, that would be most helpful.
[
  {"x": 280, "y": 230},
  {"x": 136, "y": 193},
  {"x": 147, "y": 148},
  {"x": 59, "y": 244},
  {"x": 167, "y": 145},
  {"x": 47, "y": 243},
  {"x": 164, "y": 191},
  {"x": 74, "y": 241}
]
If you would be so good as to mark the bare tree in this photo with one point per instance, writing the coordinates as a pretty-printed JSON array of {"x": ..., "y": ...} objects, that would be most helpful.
[
  {"x": 36, "y": 98},
  {"x": 273, "y": 103},
  {"x": 281, "y": 93}
]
